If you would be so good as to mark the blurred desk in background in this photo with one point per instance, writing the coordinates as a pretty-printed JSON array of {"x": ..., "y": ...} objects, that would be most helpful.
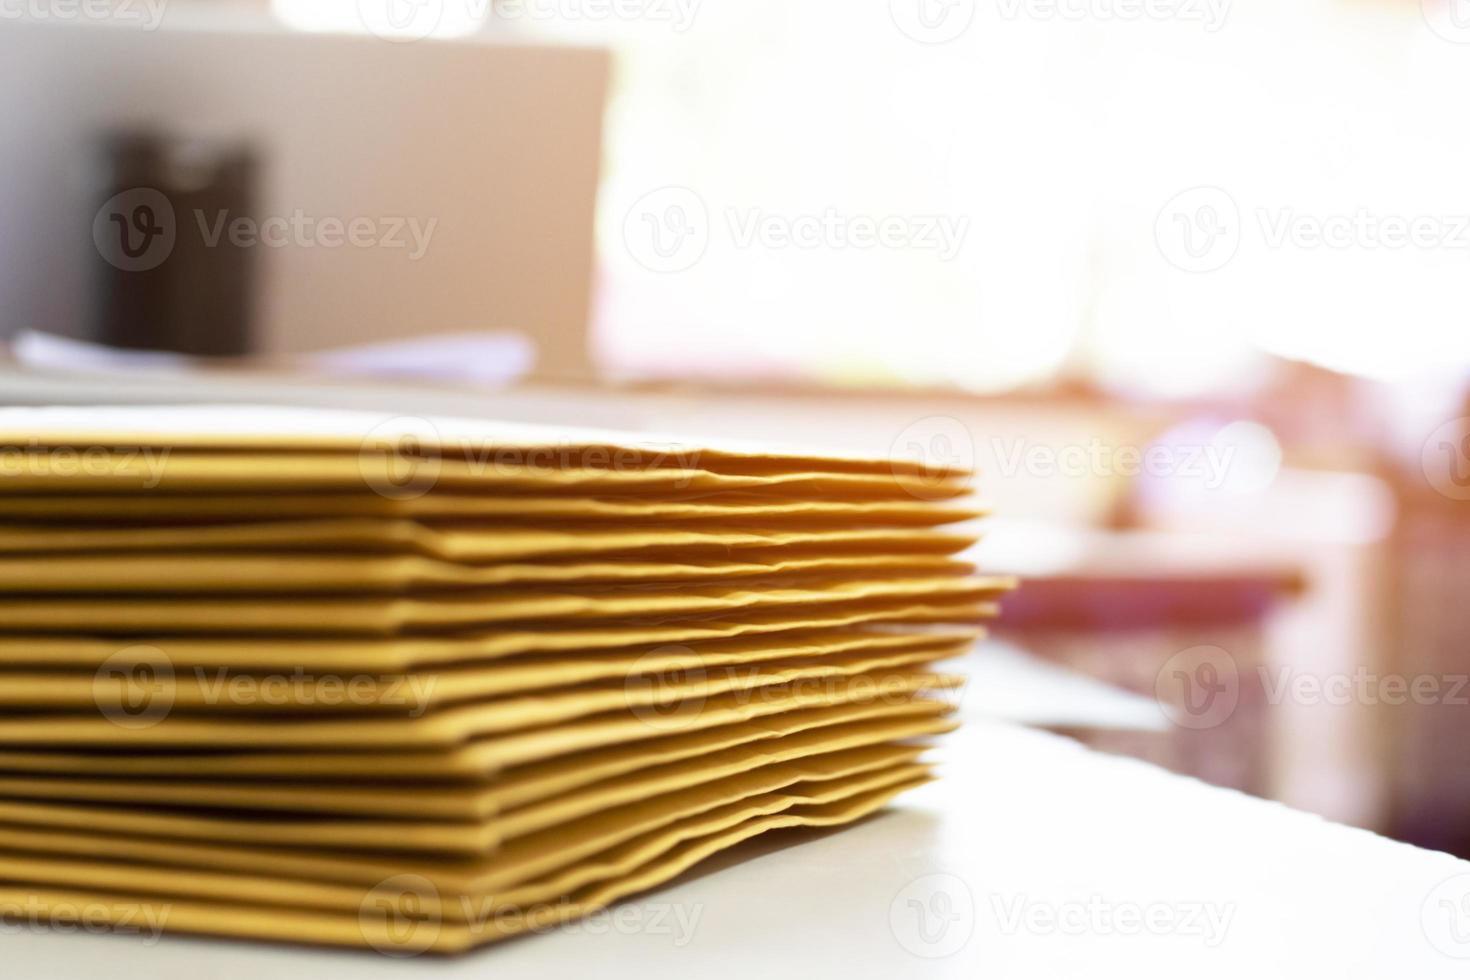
[{"x": 1177, "y": 619}]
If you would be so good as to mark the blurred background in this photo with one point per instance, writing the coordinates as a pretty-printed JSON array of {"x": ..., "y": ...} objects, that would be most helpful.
[{"x": 1186, "y": 280}]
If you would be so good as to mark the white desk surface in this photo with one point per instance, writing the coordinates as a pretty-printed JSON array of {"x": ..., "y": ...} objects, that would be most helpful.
[{"x": 1052, "y": 861}]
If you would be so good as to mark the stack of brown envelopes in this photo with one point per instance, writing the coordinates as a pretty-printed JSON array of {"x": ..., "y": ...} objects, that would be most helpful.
[{"x": 419, "y": 685}]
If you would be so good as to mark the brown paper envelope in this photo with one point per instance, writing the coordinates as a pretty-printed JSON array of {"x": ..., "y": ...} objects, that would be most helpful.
[
  {"x": 664, "y": 699},
  {"x": 480, "y": 931},
  {"x": 553, "y": 883},
  {"x": 513, "y": 786},
  {"x": 378, "y": 923},
  {"x": 251, "y": 692},
  {"x": 387, "y": 616},
  {"x": 170, "y": 471},
  {"x": 721, "y": 509},
  {"x": 465, "y": 803},
  {"x": 518, "y": 786},
  {"x": 464, "y": 856},
  {"x": 303, "y": 574},
  {"x": 251, "y": 429},
  {"x": 336, "y": 655},
  {"x": 644, "y": 710},
  {"x": 529, "y": 876},
  {"x": 473, "y": 543}
]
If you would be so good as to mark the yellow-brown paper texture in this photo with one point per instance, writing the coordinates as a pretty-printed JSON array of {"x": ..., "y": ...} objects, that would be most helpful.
[
  {"x": 485, "y": 444},
  {"x": 532, "y": 669},
  {"x": 221, "y": 690},
  {"x": 328, "y": 654},
  {"x": 520, "y": 725},
  {"x": 537, "y": 869},
  {"x": 518, "y": 804},
  {"x": 170, "y": 471},
  {"x": 469, "y": 542},
  {"x": 300, "y": 574},
  {"x": 386, "y": 920},
  {"x": 722, "y": 509},
  {"x": 387, "y": 616},
  {"x": 515, "y": 785}
]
